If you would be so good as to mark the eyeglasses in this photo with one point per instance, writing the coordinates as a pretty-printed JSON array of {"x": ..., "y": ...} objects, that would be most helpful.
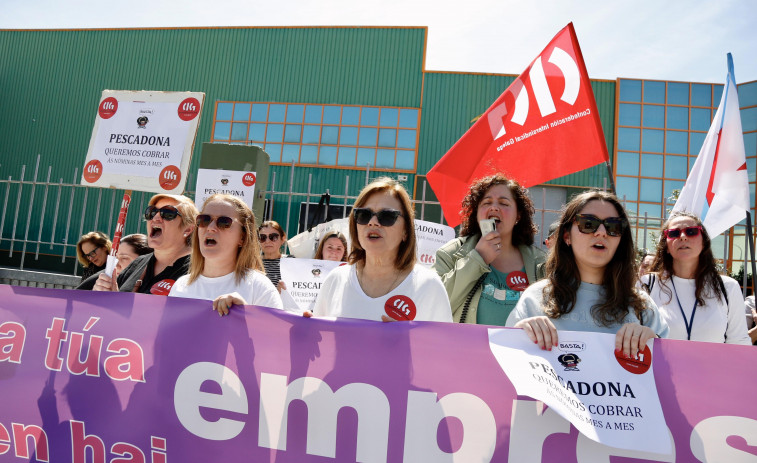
[
  {"x": 691, "y": 232},
  {"x": 272, "y": 237},
  {"x": 588, "y": 223},
  {"x": 91, "y": 255},
  {"x": 386, "y": 217},
  {"x": 166, "y": 212},
  {"x": 222, "y": 222}
]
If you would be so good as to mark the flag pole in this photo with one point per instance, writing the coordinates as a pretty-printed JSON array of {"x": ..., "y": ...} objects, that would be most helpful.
[
  {"x": 609, "y": 174},
  {"x": 750, "y": 240}
]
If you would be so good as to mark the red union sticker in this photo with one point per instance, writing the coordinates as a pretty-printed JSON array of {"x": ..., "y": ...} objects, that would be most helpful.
[
  {"x": 400, "y": 308},
  {"x": 169, "y": 177},
  {"x": 517, "y": 281},
  {"x": 162, "y": 288},
  {"x": 93, "y": 170},
  {"x": 108, "y": 107},
  {"x": 248, "y": 179},
  {"x": 189, "y": 109},
  {"x": 638, "y": 365}
]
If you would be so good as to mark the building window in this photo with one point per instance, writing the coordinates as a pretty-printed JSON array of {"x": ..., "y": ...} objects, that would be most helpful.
[{"x": 323, "y": 135}]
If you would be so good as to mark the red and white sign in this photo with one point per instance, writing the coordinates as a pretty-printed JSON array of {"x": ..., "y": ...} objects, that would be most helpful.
[
  {"x": 92, "y": 171},
  {"x": 545, "y": 125},
  {"x": 231, "y": 182},
  {"x": 143, "y": 140}
]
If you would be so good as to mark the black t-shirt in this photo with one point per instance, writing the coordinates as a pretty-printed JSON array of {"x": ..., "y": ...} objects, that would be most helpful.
[{"x": 159, "y": 284}]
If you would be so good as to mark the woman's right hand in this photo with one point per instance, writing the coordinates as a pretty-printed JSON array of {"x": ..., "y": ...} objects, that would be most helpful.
[
  {"x": 489, "y": 246},
  {"x": 105, "y": 283},
  {"x": 540, "y": 330}
]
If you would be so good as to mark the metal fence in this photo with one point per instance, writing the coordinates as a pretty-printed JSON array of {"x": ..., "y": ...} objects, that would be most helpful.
[{"x": 44, "y": 218}]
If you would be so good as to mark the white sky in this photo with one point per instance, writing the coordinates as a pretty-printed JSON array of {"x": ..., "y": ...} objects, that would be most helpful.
[{"x": 651, "y": 39}]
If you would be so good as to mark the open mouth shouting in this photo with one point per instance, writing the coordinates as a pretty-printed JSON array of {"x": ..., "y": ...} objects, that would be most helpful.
[
  {"x": 210, "y": 242},
  {"x": 156, "y": 230}
]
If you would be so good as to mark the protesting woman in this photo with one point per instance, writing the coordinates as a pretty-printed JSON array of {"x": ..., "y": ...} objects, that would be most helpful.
[
  {"x": 92, "y": 252},
  {"x": 383, "y": 280},
  {"x": 272, "y": 239},
  {"x": 697, "y": 303},
  {"x": 485, "y": 273},
  {"x": 129, "y": 248},
  {"x": 333, "y": 247},
  {"x": 226, "y": 266},
  {"x": 590, "y": 282},
  {"x": 170, "y": 222}
]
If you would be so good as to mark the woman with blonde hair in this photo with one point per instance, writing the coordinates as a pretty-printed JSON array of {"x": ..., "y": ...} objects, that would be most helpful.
[
  {"x": 226, "y": 266},
  {"x": 383, "y": 280},
  {"x": 92, "y": 252}
]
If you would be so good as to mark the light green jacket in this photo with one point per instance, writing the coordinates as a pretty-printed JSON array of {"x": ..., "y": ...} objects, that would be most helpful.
[{"x": 460, "y": 266}]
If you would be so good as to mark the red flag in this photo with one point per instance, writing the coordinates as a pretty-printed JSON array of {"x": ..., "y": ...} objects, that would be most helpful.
[{"x": 545, "y": 125}]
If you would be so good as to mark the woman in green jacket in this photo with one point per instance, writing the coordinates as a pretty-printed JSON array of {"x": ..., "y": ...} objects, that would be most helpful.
[{"x": 485, "y": 275}]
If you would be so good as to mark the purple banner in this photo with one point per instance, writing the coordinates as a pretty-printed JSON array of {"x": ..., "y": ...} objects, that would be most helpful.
[{"x": 86, "y": 376}]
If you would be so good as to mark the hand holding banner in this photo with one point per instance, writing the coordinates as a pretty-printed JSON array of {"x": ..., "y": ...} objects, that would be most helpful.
[{"x": 545, "y": 125}]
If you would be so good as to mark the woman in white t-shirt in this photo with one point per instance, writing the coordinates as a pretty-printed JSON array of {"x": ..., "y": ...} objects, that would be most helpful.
[
  {"x": 226, "y": 266},
  {"x": 384, "y": 281}
]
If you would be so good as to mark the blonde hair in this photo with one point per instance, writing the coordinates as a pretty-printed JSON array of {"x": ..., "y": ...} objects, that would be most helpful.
[
  {"x": 187, "y": 210},
  {"x": 406, "y": 253},
  {"x": 248, "y": 254}
]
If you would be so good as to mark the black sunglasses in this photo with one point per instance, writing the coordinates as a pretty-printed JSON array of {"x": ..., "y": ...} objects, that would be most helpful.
[
  {"x": 272, "y": 237},
  {"x": 222, "y": 222},
  {"x": 691, "y": 232},
  {"x": 166, "y": 212},
  {"x": 588, "y": 223},
  {"x": 386, "y": 217}
]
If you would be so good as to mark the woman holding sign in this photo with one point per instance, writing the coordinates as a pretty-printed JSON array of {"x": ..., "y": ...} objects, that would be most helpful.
[
  {"x": 697, "y": 303},
  {"x": 487, "y": 268},
  {"x": 170, "y": 222},
  {"x": 384, "y": 281},
  {"x": 591, "y": 281},
  {"x": 226, "y": 267}
]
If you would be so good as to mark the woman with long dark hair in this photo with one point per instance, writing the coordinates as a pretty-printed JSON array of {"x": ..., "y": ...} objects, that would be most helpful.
[
  {"x": 485, "y": 272},
  {"x": 591, "y": 281},
  {"x": 697, "y": 303}
]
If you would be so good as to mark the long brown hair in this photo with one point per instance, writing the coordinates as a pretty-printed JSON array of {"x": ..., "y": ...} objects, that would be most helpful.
[
  {"x": 707, "y": 280},
  {"x": 248, "y": 254},
  {"x": 406, "y": 252},
  {"x": 328, "y": 236},
  {"x": 618, "y": 283},
  {"x": 524, "y": 229}
]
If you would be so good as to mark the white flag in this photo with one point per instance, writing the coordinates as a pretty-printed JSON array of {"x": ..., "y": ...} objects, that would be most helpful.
[{"x": 717, "y": 188}]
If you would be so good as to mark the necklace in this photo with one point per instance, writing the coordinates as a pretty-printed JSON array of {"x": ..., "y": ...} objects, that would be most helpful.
[{"x": 389, "y": 288}]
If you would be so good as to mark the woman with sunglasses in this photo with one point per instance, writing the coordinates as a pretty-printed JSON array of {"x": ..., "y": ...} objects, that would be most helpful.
[
  {"x": 384, "y": 281},
  {"x": 697, "y": 303},
  {"x": 591, "y": 281},
  {"x": 333, "y": 247},
  {"x": 170, "y": 222},
  {"x": 92, "y": 252},
  {"x": 226, "y": 267},
  {"x": 486, "y": 272},
  {"x": 272, "y": 239}
]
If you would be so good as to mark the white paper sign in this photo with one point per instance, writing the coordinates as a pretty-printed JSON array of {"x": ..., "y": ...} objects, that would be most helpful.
[
  {"x": 303, "y": 278},
  {"x": 431, "y": 236},
  {"x": 231, "y": 182},
  {"x": 143, "y": 140},
  {"x": 611, "y": 401}
]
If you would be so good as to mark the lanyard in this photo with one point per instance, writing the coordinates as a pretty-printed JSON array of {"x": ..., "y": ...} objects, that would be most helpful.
[{"x": 693, "y": 311}]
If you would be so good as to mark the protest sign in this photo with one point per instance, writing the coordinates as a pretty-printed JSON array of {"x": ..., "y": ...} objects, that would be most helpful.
[
  {"x": 143, "y": 140},
  {"x": 303, "y": 278},
  {"x": 95, "y": 377},
  {"x": 429, "y": 237},
  {"x": 231, "y": 182},
  {"x": 609, "y": 400}
]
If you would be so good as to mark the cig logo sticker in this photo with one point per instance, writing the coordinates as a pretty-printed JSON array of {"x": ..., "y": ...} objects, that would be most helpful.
[
  {"x": 189, "y": 109},
  {"x": 248, "y": 179},
  {"x": 517, "y": 280},
  {"x": 638, "y": 365},
  {"x": 169, "y": 177},
  {"x": 162, "y": 288},
  {"x": 93, "y": 170},
  {"x": 400, "y": 308},
  {"x": 108, "y": 108}
]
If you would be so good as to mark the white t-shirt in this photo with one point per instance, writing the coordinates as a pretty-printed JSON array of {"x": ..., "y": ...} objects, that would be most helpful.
[
  {"x": 255, "y": 288},
  {"x": 716, "y": 321},
  {"x": 421, "y": 297}
]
